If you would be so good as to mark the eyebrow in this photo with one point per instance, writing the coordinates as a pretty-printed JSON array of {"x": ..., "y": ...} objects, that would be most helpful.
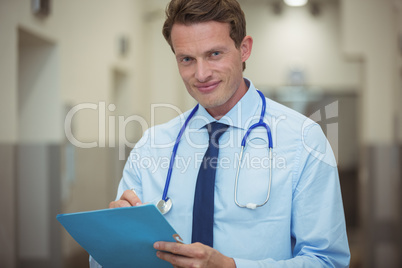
[
  {"x": 219, "y": 48},
  {"x": 224, "y": 49},
  {"x": 182, "y": 56}
]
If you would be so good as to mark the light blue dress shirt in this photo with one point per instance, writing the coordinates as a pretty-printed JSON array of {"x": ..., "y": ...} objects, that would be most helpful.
[{"x": 302, "y": 225}]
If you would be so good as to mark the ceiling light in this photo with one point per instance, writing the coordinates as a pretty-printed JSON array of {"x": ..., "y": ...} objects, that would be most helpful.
[{"x": 296, "y": 3}]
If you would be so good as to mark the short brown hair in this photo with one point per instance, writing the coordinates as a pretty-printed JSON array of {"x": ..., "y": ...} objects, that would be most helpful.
[{"x": 195, "y": 11}]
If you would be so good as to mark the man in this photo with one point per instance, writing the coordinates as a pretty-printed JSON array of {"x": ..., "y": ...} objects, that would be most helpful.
[{"x": 302, "y": 224}]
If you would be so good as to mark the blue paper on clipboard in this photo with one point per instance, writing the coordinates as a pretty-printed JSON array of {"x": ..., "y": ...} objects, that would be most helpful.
[{"x": 121, "y": 237}]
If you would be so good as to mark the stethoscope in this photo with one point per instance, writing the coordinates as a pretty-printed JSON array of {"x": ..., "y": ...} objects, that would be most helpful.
[{"x": 165, "y": 204}]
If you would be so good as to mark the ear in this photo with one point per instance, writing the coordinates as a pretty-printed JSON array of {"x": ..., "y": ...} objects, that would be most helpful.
[{"x": 246, "y": 47}]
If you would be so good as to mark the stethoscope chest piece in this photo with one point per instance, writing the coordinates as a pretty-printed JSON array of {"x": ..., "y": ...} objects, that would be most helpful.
[{"x": 164, "y": 206}]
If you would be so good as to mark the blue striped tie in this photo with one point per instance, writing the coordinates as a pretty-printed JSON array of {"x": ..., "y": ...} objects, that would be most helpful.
[{"x": 203, "y": 210}]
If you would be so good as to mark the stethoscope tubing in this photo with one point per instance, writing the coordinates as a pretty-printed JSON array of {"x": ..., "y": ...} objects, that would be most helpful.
[
  {"x": 252, "y": 205},
  {"x": 260, "y": 123},
  {"x": 174, "y": 152}
]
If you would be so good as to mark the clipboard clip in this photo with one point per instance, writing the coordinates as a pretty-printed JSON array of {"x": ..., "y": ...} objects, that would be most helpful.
[{"x": 178, "y": 238}]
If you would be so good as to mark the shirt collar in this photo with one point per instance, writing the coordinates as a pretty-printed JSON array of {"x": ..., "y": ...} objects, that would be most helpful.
[{"x": 240, "y": 116}]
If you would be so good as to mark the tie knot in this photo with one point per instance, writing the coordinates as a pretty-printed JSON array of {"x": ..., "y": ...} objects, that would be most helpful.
[{"x": 215, "y": 131}]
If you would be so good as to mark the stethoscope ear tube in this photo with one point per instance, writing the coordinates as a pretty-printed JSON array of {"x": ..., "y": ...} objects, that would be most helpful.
[
  {"x": 260, "y": 123},
  {"x": 252, "y": 205}
]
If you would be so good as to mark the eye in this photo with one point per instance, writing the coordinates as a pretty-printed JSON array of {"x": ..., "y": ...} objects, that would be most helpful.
[
  {"x": 216, "y": 53},
  {"x": 185, "y": 60}
]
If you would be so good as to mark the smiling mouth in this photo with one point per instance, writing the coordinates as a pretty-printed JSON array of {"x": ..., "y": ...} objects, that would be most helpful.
[{"x": 207, "y": 87}]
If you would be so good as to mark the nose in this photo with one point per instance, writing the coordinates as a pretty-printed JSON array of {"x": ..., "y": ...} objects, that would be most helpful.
[{"x": 203, "y": 72}]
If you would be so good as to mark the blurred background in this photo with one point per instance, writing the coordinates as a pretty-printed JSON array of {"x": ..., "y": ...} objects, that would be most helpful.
[{"x": 81, "y": 80}]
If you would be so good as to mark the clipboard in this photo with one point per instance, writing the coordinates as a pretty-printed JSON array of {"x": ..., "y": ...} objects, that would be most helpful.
[{"x": 121, "y": 237}]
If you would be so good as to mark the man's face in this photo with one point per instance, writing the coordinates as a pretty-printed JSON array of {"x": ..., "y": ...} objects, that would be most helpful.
[{"x": 210, "y": 64}]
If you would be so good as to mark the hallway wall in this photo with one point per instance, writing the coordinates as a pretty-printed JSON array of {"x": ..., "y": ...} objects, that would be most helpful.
[{"x": 85, "y": 38}]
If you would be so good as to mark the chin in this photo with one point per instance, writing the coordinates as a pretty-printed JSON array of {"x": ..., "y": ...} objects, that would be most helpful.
[
  {"x": 211, "y": 100},
  {"x": 209, "y": 104}
]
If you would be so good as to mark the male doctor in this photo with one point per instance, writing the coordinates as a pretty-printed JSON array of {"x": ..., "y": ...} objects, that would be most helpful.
[{"x": 302, "y": 224}]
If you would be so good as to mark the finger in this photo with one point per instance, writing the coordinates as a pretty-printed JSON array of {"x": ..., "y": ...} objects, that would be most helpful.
[
  {"x": 192, "y": 250},
  {"x": 176, "y": 260},
  {"x": 119, "y": 204},
  {"x": 169, "y": 247},
  {"x": 131, "y": 197}
]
